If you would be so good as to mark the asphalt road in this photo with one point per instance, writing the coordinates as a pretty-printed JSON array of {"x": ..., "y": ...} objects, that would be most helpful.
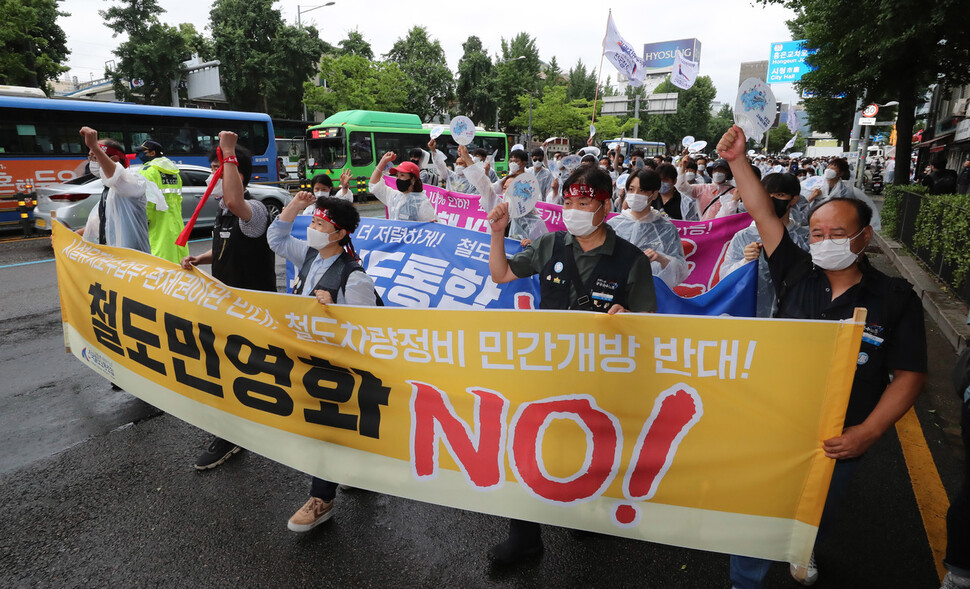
[{"x": 98, "y": 491}]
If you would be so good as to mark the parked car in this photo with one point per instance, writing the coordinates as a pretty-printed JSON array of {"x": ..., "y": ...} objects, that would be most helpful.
[{"x": 74, "y": 199}]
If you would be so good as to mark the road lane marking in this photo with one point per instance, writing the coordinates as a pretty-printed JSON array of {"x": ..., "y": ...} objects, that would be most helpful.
[{"x": 930, "y": 494}]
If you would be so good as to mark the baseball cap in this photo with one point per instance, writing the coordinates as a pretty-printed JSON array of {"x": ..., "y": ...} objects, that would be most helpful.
[
  {"x": 407, "y": 168},
  {"x": 150, "y": 145}
]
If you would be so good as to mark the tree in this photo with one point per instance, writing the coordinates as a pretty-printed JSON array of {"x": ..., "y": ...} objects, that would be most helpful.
[
  {"x": 355, "y": 44},
  {"x": 429, "y": 82},
  {"x": 580, "y": 83},
  {"x": 554, "y": 74},
  {"x": 196, "y": 42},
  {"x": 151, "y": 58},
  {"x": 355, "y": 82},
  {"x": 918, "y": 43},
  {"x": 692, "y": 117},
  {"x": 516, "y": 73},
  {"x": 719, "y": 125},
  {"x": 779, "y": 136},
  {"x": 553, "y": 115},
  {"x": 832, "y": 115},
  {"x": 34, "y": 46},
  {"x": 475, "y": 82},
  {"x": 264, "y": 61}
]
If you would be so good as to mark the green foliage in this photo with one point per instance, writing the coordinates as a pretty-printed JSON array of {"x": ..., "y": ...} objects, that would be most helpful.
[
  {"x": 555, "y": 115},
  {"x": 32, "y": 45},
  {"x": 355, "y": 82},
  {"x": 693, "y": 115},
  {"x": 475, "y": 82},
  {"x": 580, "y": 83},
  {"x": 355, "y": 44},
  {"x": 719, "y": 124},
  {"x": 554, "y": 74},
  {"x": 152, "y": 55},
  {"x": 514, "y": 77},
  {"x": 779, "y": 136},
  {"x": 429, "y": 82},
  {"x": 943, "y": 229},
  {"x": 196, "y": 42}
]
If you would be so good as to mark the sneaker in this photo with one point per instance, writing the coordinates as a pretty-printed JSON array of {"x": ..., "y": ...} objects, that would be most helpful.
[
  {"x": 805, "y": 575},
  {"x": 218, "y": 452},
  {"x": 313, "y": 513},
  {"x": 510, "y": 553},
  {"x": 951, "y": 581}
]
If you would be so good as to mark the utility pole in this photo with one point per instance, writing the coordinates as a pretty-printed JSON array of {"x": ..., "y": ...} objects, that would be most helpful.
[{"x": 636, "y": 116}]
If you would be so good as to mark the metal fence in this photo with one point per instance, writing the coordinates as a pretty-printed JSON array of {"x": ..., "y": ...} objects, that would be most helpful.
[{"x": 910, "y": 205}]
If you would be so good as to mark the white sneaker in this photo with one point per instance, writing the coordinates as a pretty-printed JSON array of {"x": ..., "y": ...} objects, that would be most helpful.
[
  {"x": 805, "y": 575},
  {"x": 951, "y": 581}
]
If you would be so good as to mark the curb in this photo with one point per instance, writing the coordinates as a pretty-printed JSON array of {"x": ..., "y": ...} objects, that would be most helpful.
[{"x": 949, "y": 313}]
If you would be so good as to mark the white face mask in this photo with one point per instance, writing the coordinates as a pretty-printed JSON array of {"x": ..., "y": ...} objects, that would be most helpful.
[
  {"x": 700, "y": 167},
  {"x": 537, "y": 164},
  {"x": 579, "y": 223},
  {"x": 513, "y": 167},
  {"x": 476, "y": 159},
  {"x": 95, "y": 167},
  {"x": 321, "y": 193},
  {"x": 317, "y": 239},
  {"x": 690, "y": 176},
  {"x": 638, "y": 202},
  {"x": 217, "y": 190},
  {"x": 460, "y": 170},
  {"x": 829, "y": 174},
  {"x": 828, "y": 255},
  {"x": 718, "y": 177}
]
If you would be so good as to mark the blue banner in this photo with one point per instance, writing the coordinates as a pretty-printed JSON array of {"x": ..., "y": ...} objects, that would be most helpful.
[{"x": 433, "y": 265}]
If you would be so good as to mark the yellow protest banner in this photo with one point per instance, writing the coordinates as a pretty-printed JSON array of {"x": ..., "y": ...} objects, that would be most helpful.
[{"x": 702, "y": 432}]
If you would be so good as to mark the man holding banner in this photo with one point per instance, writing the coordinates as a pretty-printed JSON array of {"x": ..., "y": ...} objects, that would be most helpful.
[
  {"x": 243, "y": 257},
  {"x": 585, "y": 268},
  {"x": 828, "y": 284}
]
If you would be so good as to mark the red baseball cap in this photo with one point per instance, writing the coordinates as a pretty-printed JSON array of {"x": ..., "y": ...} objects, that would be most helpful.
[{"x": 407, "y": 168}]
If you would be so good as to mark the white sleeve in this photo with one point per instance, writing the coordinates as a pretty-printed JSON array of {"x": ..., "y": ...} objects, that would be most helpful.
[
  {"x": 345, "y": 194},
  {"x": 475, "y": 174},
  {"x": 681, "y": 183},
  {"x": 675, "y": 272},
  {"x": 439, "y": 163},
  {"x": 126, "y": 182},
  {"x": 733, "y": 258},
  {"x": 360, "y": 290},
  {"x": 380, "y": 190}
]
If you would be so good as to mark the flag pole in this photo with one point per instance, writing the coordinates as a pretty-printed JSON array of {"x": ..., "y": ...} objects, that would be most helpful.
[{"x": 600, "y": 75}]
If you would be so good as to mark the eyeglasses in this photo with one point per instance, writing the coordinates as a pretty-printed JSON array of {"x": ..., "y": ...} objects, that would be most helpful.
[{"x": 838, "y": 239}]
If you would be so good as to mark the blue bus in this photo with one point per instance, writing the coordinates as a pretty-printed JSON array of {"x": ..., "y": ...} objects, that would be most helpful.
[{"x": 40, "y": 144}]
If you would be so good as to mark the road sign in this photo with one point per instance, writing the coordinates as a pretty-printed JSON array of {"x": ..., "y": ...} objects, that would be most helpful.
[
  {"x": 867, "y": 121},
  {"x": 871, "y": 110}
]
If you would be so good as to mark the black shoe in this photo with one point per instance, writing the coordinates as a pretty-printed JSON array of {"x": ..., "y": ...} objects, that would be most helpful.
[
  {"x": 218, "y": 452},
  {"x": 115, "y": 387},
  {"x": 511, "y": 553}
]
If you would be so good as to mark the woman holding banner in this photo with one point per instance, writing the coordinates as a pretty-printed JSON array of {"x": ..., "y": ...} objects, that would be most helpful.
[
  {"x": 650, "y": 230},
  {"x": 330, "y": 272}
]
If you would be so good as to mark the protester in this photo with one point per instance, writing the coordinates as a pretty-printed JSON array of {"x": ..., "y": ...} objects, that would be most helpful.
[
  {"x": 940, "y": 180},
  {"x": 541, "y": 172},
  {"x": 837, "y": 185},
  {"x": 330, "y": 271},
  {"x": 703, "y": 176},
  {"x": 650, "y": 230},
  {"x": 455, "y": 181},
  {"x": 240, "y": 255},
  {"x": 422, "y": 159},
  {"x": 165, "y": 225},
  {"x": 707, "y": 197},
  {"x": 963, "y": 180},
  {"x": 890, "y": 170},
  {"x": 589, "y": 254},
  {"x": 479, "y": 155},
  {"x": 671, "y": 202},
  {"x": 120, "y": 218},
  {"x": 746, "y": 245},
  {"x": 829, "y": 284},
  {"x": 408, "y": 202},
  {"x": 323, "y": 187},
  {"x": 528, "y": 226}
]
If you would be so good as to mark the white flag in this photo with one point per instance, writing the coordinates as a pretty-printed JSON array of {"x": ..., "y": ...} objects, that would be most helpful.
[
  {"x": 791, "y": 142},
  {"x": 684, "y": 73},
  {"x": 623, "y": 55},
  {"x": 793, "y": 122}
]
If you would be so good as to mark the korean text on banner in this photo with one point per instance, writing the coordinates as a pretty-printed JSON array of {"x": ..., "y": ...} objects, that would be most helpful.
[{"x": 670, "y": 429}]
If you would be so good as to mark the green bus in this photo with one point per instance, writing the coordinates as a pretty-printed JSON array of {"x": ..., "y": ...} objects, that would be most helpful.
[{"x": 358, "y": 138}]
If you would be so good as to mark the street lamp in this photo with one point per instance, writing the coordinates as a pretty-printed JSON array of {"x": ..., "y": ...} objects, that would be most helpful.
[
  {"x": 530, "y": 98},
  {"x": 299, "y": 12}
]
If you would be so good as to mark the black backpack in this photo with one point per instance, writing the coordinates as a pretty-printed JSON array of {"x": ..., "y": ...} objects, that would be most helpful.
[{"x": 331, "y": 281}]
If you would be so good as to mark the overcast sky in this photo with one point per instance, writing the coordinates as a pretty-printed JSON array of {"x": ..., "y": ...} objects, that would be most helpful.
[{"x": 730, "y": 31}]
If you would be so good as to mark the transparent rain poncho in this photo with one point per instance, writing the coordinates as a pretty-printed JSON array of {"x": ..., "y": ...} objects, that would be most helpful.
[
  {"x": 454, "y": 181},
  {"x": 843, "y": 189},
  {"x": 734, "y": 259},
  {"x": 655, "y": 231},
  {"x": 404, "y": 206},
  {"x": 126, "y": 217},
  {"x": 528, "y": 226}
]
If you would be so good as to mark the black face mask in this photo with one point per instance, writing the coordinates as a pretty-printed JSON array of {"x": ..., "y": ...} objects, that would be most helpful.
[
  {"x": 403, "y": 185},
  {"x": 781, "y": 206}
]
